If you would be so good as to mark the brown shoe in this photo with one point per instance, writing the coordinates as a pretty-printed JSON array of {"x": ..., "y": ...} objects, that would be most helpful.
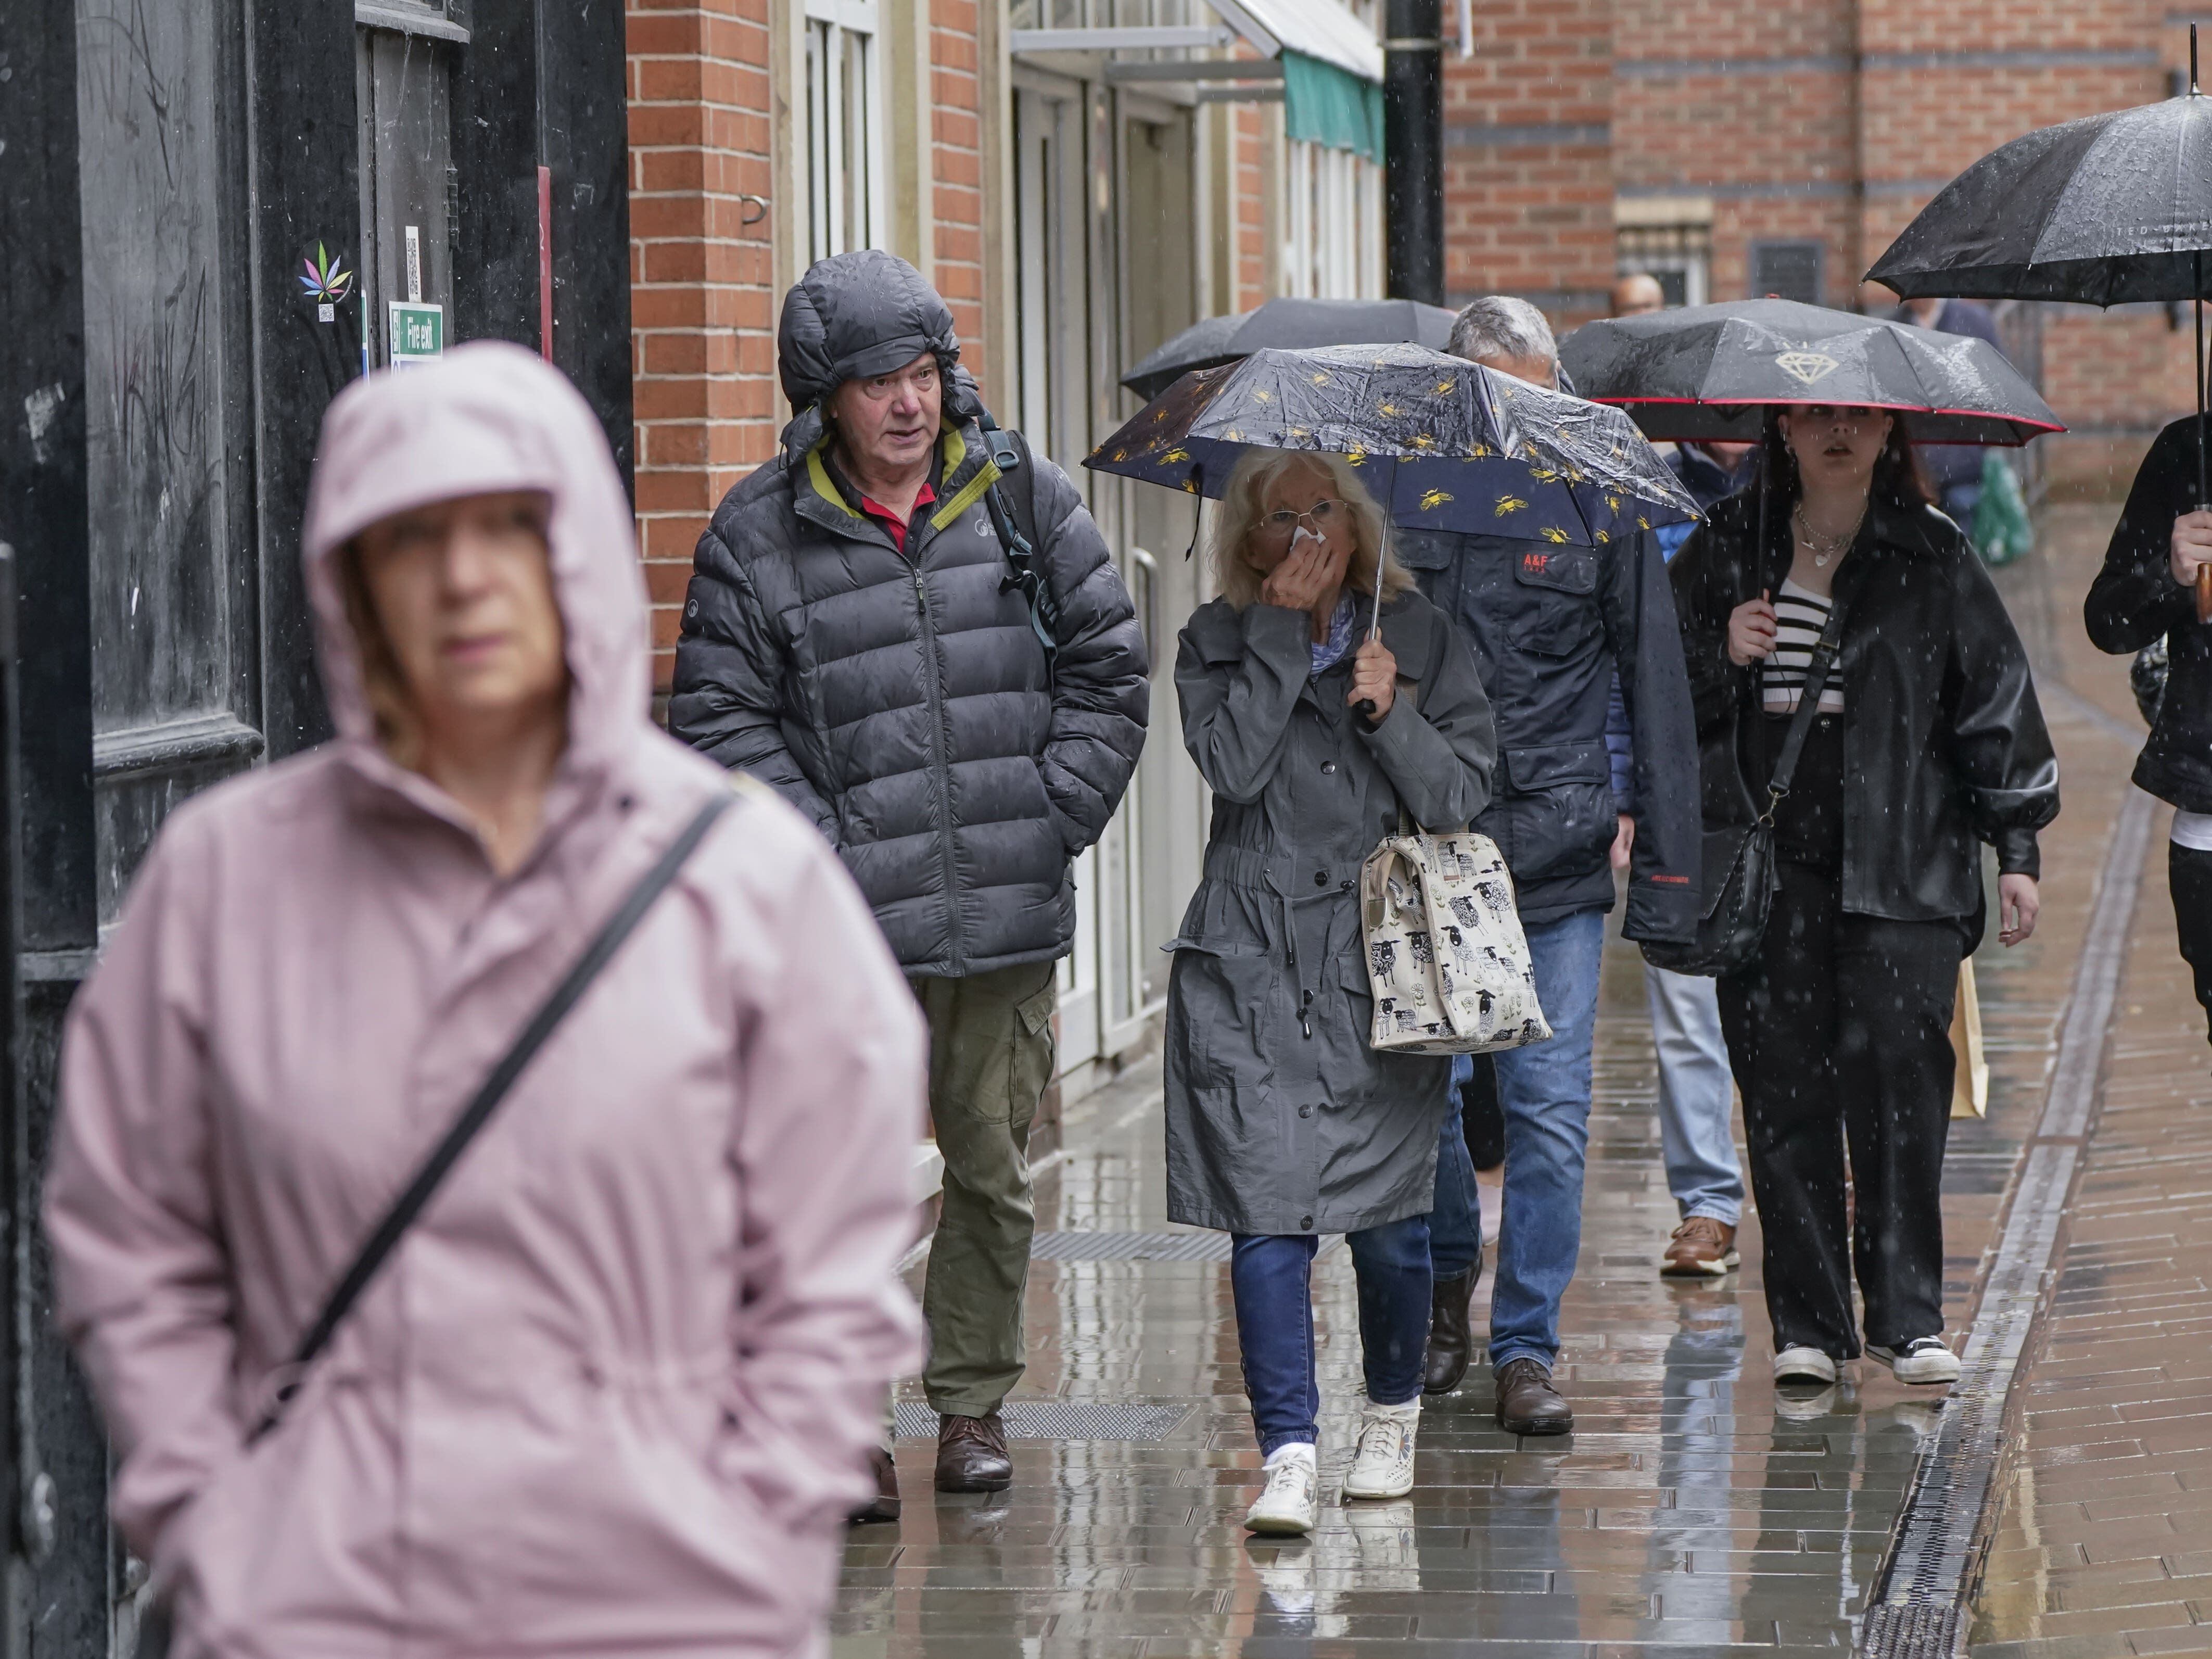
[
  {"x": 886, "y": 1506},
  {"x": 1450, "y": 1339},
  {"x": 1526, "y": 1402},
  {"x": 1703, "y": 1247},
  {"x": 971, "y": 1455}
]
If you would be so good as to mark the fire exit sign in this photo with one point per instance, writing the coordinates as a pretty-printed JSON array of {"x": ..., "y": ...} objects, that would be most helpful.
[{"x": 417, "y": 333}]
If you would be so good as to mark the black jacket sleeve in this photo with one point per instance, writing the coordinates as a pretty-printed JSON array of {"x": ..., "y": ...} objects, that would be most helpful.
[
  {"x": 2135, "y": 599},
  {"x": 1646, "y": 640},
  {"x": 1102, "y": 683},
  {"x": 728, "y": 698},
  {"x": 1999, "y": 745},
  {"x": 1704, "y": 580}
]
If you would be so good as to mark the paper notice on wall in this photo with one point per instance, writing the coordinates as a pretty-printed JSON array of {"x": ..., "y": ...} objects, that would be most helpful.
[{"x": 414, "y": 265}]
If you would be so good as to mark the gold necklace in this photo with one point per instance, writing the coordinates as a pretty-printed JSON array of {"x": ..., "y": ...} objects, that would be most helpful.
[{"x": 1823, "y": 548}]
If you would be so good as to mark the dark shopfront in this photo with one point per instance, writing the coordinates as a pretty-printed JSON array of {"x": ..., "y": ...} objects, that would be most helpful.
[{"x": 208, "y": 210}]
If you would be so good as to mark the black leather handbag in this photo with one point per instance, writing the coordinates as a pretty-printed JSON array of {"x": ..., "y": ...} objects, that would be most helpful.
[{"x": 1739, "y": 860}]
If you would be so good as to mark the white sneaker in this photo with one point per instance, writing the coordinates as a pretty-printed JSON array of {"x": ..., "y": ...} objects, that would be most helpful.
[
  {"x": 1286, "y": 1509},
  {"x": 1803, "y": 1365},
  {"x": 1383, "y": 1465},
  {"x": 1923, "y": 1359}
]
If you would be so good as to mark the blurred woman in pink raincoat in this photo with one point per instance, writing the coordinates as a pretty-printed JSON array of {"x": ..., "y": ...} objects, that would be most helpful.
[{"x": 615, "y": 1390}]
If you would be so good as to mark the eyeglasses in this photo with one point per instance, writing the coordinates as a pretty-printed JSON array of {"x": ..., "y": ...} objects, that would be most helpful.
[{"x": 1321, "y": 518}]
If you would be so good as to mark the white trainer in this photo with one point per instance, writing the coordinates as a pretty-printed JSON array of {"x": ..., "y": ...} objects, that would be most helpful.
[
  {"x": 1287, "y": 1507},
  {"x": 1923, "y": 1359},
  {"x": 1803, "y": 1365},
  {"x": 1384, "y": 1465}
]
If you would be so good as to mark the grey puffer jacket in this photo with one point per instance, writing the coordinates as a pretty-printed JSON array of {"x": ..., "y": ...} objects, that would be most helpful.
[
  {"x": 901, "y": 699},
  {"x": 1280, "y": 1119}
]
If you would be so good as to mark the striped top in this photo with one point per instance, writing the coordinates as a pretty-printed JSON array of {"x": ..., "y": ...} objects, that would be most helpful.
[{"x": 1800, "y": 614}]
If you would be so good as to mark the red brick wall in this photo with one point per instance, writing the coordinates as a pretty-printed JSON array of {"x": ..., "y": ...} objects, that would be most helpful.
[
  {"x": 1807, "y": 149},
  {"x": 702, "y": 311},
  {"x": 956, "y": 130},
  {"x": 1527, "y": 172}
]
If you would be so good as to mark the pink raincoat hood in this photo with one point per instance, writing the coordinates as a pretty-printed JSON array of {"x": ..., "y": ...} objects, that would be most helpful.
[{"x": 488, "y": 416}]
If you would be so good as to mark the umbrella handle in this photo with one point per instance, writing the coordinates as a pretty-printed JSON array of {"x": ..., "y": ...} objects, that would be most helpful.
[{"x": 2204, "y": 593}]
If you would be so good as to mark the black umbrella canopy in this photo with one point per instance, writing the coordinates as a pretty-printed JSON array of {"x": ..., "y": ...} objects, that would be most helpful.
[
  {"x": 1451, "y": 445},
  {"x": 1289, "y": 326},
  {"x": 2103, "y": 210},
  {"x": 1709, "y": 373}
]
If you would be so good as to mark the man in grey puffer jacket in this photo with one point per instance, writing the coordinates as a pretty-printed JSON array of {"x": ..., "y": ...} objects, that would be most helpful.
[{"x": 852, "y": 637}]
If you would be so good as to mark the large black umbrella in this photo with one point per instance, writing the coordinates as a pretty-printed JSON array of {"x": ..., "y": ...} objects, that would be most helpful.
[
  {"x": 1289, "y": 326},
  {"x": 1710, "y": 372},
  {"x": 2102, "y": 210}
]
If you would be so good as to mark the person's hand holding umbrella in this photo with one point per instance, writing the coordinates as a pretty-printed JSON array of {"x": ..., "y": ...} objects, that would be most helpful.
[
  {"x": 2191, "y": 545},
  {"x": 1374, "y": 678}
]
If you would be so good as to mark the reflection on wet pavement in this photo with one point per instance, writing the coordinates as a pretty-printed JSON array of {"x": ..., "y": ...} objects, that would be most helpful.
[{"x": 1692, "y": 1508}]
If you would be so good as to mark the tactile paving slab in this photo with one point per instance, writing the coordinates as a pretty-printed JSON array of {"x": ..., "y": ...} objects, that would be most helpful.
[
  {"x": 1060, "y": 1419},
  {"x": 1130, "y": 1247}
]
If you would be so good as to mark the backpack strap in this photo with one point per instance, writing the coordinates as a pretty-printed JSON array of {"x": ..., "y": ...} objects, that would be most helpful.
[{"x": 1013, "y": 515}]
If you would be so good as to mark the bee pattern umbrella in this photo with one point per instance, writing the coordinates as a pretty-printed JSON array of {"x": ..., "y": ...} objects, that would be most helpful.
[{"x": 1464, "y": 447}]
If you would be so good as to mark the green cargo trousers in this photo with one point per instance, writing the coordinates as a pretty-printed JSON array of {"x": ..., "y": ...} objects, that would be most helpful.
[{"x": 990, "y": 1057}]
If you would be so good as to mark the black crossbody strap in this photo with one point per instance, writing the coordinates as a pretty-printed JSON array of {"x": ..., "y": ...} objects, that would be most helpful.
[
  {"x": 1010, "y": 454},
  {"x": 609, "y": 938},
  {"x": 1808, "y": 707}
]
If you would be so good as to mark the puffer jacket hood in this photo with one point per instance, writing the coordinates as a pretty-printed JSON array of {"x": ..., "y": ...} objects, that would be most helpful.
[
  {"x": 857, "y": 314},
  {"x": 490, "y": 416}
]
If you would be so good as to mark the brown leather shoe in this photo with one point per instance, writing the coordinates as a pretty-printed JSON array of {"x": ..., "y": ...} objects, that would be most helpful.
[
  {"x": 971, "y": 1455},
  {"x": 1703, "y": 1247},
  {"x": 1450, "y": 1339},
  {"x": 1526, "y": 1402},
  {"x": 886, "y": 1506}
]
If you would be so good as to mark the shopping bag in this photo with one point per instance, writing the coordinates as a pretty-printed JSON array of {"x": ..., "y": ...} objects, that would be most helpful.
[{"x": 1970, "y": 1079}]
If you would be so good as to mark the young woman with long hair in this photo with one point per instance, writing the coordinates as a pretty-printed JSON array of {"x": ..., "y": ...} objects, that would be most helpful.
[{"x": 1927, "y": 743}]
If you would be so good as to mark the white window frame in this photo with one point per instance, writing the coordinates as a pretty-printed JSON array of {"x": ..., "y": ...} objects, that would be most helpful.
[
  {"x": 1333, "y": 248},
  {"x": 845, "y": 44}
]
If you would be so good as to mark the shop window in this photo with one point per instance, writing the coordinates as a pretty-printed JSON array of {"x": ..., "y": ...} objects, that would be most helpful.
[{"x": 845, "y": 122}]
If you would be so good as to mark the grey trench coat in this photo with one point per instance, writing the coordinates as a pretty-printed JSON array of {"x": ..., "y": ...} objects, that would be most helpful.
[{"x": 1279, "y": 1117}]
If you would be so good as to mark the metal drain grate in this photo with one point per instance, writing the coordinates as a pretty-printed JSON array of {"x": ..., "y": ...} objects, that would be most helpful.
[
  {"x": 1919, "y": 1608},
  {"x": 1060, "y": 1419},
  {"x": 1130, "y": 1247}
]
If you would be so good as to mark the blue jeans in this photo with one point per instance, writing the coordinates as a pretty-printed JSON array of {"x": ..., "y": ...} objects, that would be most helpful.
[
  {"x": 1270, "y": 1276},
  {"x": 1696, "y": 1095},
  {"x": 1456, "y": 1224},
  {"x": 1545, "y": 1092}
]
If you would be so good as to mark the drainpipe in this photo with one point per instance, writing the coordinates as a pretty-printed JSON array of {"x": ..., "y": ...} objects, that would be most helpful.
[{"x": 1413, "y": 148}]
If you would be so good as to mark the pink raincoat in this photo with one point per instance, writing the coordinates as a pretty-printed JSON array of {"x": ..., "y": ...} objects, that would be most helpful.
[{"x": 613, "y": 1395}]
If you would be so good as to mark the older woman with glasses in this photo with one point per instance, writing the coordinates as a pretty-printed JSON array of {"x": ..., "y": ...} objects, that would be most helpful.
[{"x": 1283, "y": 1124}]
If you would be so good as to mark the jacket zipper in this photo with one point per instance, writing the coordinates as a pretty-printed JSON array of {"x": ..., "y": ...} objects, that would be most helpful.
[{"x": 941, "y": 765}]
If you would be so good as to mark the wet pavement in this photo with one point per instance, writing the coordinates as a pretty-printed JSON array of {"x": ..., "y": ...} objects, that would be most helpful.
[
  {"x": 2103, "y": 1543},
  {"x": 1691, "y": 1510}
]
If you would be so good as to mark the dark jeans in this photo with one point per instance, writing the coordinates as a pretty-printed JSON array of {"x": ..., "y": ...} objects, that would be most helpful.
[
  {"x": 2189, "y": 874},
  {"x": 1270, "y": 1274},
  {"x": 1840, "y": 1033}
]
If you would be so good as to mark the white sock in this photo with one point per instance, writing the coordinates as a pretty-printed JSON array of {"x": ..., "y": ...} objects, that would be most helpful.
[
  {"x": 1408, "y": 1413},
  {"x": 1303, "y": 1450}
]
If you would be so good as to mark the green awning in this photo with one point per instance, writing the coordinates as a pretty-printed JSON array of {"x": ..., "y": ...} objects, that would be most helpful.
[{"x": 1325, "y": 105}]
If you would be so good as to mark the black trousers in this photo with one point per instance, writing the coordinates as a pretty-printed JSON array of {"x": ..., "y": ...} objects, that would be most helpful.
[
  {"x": 1840, "y": 1035},
  {"x": 2189, "y": 874}
]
